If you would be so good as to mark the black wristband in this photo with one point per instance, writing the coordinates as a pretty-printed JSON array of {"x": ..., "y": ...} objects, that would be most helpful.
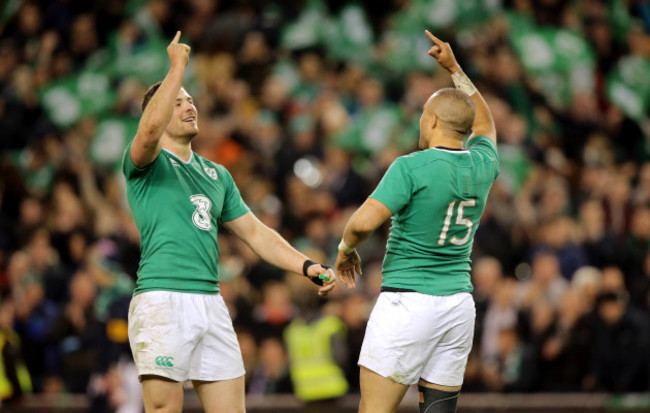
[
  {"x": 316, "y": 280},
  {"x": 306, "y": 265}
]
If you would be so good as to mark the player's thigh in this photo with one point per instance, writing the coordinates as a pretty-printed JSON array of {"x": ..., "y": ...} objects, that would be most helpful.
[
  {"x": 379, "y": 394},
  {"x": 162, "y": 395},
  {"x": 397, "y": 337},
  {"x": 164, "y": 328},
  {"x": 217, "y": 356},
  {"x": 446, "y": 365},
  {"x": 225, "y": 396}
]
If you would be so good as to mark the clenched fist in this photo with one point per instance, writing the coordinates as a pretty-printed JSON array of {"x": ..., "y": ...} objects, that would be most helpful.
[
  {"x": 179, "y": 53},
  {"x": 441, "y": 51}
]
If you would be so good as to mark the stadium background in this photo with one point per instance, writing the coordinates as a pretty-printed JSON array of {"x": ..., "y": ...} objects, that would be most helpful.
[{"x": 307, "y": 102}]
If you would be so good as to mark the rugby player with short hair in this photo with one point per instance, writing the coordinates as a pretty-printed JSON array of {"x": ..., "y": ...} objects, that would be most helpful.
[
  {"x": 421, "y": 329},
  {"x": 179, "y": 327}
]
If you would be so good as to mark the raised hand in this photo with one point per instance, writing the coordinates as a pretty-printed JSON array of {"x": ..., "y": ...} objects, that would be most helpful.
[
  {"x": 179, "y": 53},
  {"x": 346, "y": 265},
  {"x": 441, "y": 51}
]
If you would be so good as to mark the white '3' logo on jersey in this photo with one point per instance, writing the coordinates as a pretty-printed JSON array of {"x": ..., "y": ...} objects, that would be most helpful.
[{"x": 201, "y": 217}]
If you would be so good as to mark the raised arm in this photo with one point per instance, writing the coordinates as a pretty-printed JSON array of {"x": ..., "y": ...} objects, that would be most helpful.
[
  {"x": 483, "y": 122},
  {"x": 275, "y": 250},
  {"x": 158, "y": 112}
]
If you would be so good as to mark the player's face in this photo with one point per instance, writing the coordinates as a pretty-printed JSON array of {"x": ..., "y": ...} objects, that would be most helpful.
[{"x": 185, "y": 117}]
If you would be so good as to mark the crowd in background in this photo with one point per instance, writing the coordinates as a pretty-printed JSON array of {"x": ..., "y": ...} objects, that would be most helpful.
[{"x": 307, "y": 103}]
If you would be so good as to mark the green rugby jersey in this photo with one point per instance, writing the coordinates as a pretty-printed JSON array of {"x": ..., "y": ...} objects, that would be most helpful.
[
  {"x": 177, "y": 208},
  {"x": 437, "y": 197}
]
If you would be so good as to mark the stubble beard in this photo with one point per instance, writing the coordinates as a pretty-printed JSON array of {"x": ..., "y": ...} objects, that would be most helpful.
[{"x": 185, "y": 136}]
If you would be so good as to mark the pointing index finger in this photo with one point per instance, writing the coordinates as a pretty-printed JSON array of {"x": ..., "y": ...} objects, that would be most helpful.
[
  {"x": 434, "y": 39},
  {"x": 177, "y": 37}
]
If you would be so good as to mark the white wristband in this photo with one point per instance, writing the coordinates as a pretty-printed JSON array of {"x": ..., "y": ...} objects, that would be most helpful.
[
  {"x": 343, "y": 247},
  {"x": 462, "y": 82}
]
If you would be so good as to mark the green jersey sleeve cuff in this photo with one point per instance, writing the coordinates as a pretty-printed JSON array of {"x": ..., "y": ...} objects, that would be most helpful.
[
  {"x": 394, "y": 189},
  {"x": 482, "y": 141},
  {"x": 238, "y": 212},
  {"x": 129, "y": 168}
]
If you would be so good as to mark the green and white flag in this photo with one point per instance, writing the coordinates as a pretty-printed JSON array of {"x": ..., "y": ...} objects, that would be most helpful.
[
  {"x": 372, "y": 130},
  {"x": 76, "y": 96},
  {"x": 307, "y": 30},
  {"x": 560, "y": 60},
  {"x": 113, "y": 134},
  {"x": 628, "y": 86},
  {"x": 349, "y": 36}
]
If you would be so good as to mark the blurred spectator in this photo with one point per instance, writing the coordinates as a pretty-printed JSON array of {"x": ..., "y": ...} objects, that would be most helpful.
[
  {"x": 275, "y": 311},
  {"x": 15, "y": 380},
  {"x": 354, "y": 313},
  {"x": 545, "y": 283},
  {"x": 559, "y": 235},
  {"x": 599, "y": 243},
  {"x": 502, "y": 313},
  {"x": 515, "y": 370},
  {"x": 76, "y": 334},
  {"x": 637, "y": 241},
  {"x": 271, "y": 375},
  {"x": 315, "y": 343},
  {"x": 487, "y": 278},
  {"x": 564, "y": 360},
  {"x": 619, "y": 358}
]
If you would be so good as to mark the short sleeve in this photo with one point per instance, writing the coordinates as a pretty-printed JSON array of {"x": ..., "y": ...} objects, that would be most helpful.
[
  {"x": 483, "y": 144},
  {"x": 395, "y": 188},
  {"x": 128, "y": 167},
  {"x": 487, "y": 150},
  {"x": 233, "y": 204}
]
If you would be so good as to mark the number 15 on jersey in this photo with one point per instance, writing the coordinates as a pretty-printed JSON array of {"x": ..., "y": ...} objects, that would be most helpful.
[{"x": 460, "y": 220}]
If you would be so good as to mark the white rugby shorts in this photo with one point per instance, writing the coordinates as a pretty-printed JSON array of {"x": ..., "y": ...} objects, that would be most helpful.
[
  {"x": 411, "y": 336},
  {"x": 183, "y": 336}
]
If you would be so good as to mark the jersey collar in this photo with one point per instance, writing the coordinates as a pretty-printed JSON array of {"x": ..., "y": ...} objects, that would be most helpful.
[
  {"x": 178, "y": 157},
  {"x": 453, "y": 150}
]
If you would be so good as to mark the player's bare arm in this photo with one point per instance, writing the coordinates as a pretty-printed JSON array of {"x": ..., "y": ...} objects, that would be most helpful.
[
  {"x": 483, "y": 122},
  {"x": 275, "y": 250},
  {"x": 365, "y": 220},
  {"x": 156, "y": 116}
]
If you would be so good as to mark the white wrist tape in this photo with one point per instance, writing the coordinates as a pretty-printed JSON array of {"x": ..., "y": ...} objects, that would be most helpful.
[
  {"x": 462, "y": 82},
  {"x": 343, "y": 247}
]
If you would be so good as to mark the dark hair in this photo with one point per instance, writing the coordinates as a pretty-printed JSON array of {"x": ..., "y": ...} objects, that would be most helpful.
[{"x": 150, "y": 92}]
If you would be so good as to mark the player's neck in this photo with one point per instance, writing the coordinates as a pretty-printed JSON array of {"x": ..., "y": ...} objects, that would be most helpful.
[
  {"x": 445, "y": 141},
  {"x": 181, "y": 149}
]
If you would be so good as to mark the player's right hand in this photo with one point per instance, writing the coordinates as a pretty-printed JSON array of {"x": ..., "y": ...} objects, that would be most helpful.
[
  {"x": 179, "y": 53},
  {"x": 326, "y": 276},
  {"x": 346, "y": 265},
  {"x": 441, "y": 51}
]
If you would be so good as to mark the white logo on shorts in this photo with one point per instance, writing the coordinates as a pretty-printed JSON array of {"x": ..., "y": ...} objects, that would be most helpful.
[
  {"x": 201, "y": 217},
  {"x": 212, "y": 173}
]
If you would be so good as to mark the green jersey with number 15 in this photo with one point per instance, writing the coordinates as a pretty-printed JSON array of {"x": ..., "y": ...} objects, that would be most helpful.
[
  {"x": 437, "y": 197},
  {"x": 178, "y": 207}
]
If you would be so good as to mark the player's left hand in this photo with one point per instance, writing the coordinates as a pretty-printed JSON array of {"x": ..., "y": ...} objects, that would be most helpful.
[
  {"x": 441, "y": 51},
  {"x": 346, "y": 265},
  {"x": 326, "y": 274}
]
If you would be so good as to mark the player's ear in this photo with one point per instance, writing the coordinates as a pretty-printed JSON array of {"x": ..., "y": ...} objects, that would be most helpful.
[{"x": 434, "y": 121}]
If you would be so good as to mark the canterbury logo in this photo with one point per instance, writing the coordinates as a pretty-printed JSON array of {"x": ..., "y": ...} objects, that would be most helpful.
[{"x": 163, "y": 361}]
